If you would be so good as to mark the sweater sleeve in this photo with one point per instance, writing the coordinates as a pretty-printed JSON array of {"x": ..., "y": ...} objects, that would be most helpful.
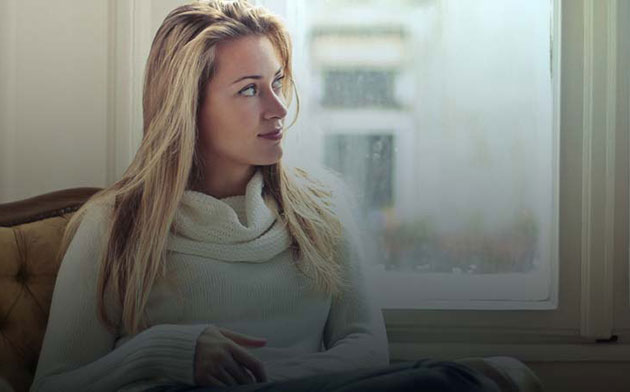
[
  {"x": 354, "y": 335},
  {"x": 78, "y": 352}
]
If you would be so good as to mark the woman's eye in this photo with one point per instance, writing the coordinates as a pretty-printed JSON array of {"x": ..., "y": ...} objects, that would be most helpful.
[
  {"x": 252, "y": 90},
  {"x": 248, "y": 91}
]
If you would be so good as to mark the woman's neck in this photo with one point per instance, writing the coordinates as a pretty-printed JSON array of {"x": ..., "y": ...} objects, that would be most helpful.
[{"x": 221, "y": 182}]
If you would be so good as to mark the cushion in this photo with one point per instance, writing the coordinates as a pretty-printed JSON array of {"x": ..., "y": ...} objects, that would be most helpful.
[{"x": 28, "y": 270}]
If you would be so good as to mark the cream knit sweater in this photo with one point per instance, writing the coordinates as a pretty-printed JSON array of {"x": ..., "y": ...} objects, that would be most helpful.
[{"x": 229, "y": 265}]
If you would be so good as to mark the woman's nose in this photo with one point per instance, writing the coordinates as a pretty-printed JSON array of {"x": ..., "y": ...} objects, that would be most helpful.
[{"x": 275, "y": 107}]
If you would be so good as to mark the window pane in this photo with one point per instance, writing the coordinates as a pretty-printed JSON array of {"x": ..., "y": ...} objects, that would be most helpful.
[
  {"x": 348, "y": 88},
  {"x": 361, "y": 159},
  {"x": 439, "y": 114}
]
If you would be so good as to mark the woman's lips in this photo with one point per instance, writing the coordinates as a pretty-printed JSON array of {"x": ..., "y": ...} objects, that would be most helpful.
[{"x": 274, "y": 135}]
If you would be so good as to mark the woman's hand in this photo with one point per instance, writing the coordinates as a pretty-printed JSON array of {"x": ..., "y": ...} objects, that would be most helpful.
[{"x": 221, "y": 361}]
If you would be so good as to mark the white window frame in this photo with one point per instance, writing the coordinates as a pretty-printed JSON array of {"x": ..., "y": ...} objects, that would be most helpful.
[{"x": 593, "y": 225}]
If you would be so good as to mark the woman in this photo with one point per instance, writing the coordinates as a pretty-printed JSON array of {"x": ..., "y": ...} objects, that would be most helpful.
[{"x": 209, "y": 263}]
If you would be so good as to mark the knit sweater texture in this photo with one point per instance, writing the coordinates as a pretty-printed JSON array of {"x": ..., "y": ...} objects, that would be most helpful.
[{"x": 229, "y": 264}]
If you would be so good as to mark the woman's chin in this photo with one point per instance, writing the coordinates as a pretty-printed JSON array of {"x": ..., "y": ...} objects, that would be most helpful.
[{"x": 271, "y": 159}]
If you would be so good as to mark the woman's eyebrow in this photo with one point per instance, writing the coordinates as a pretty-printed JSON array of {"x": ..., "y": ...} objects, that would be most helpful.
[{"x": 256, "y": 76}]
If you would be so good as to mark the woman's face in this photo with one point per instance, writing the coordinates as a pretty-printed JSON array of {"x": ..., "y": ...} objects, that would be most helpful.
[{"x": 241, "y": 118}]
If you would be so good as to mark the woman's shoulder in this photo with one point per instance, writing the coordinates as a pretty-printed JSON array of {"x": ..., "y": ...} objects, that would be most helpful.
[
  {"x": 86, "y": 236},
  {"x": 344, "y": 203},
  {"x": 93, "y": 219},
  {"x": 98, "y": 209}
]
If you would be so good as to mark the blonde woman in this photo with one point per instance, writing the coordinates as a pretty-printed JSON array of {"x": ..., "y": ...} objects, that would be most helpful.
[{"x": 209, "y": 263}]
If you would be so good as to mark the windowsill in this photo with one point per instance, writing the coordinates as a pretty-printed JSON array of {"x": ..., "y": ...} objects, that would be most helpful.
[{"x": 548, "y": 352}]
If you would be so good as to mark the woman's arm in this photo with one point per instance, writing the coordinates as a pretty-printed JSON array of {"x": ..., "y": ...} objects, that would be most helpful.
[
  {"x": 354, "y": 338},
  {"x": 354, "y": 335},
  {"x": 78, "y": 352}
]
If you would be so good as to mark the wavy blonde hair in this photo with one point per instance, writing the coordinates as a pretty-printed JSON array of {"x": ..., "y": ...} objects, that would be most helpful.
[{"x": 145, "y": 199}]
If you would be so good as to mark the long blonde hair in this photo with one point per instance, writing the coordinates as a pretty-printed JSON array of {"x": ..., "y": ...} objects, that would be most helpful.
[{"x": 145, "y": 199}]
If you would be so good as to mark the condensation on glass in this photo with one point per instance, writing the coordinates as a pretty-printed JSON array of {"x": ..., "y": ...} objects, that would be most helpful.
[{"x": 439, "y": 114}]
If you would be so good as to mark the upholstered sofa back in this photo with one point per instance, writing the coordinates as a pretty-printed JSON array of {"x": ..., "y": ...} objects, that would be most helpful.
[
  {"x": 28, "y": 269},
  {"x": 30, "y": 236}
]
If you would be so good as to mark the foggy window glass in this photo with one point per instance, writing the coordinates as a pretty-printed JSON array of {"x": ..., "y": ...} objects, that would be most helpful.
[
  {"x": 439, "y": 113},
  {"x": 366, "y": 162},
  {"x": 358, "y": 87}
]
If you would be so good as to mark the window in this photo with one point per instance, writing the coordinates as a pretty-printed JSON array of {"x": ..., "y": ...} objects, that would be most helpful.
[
  {"x": 502, "y": 128},
  {"x": 458, "y": 192},
  {"x": 492, "y": 173}
]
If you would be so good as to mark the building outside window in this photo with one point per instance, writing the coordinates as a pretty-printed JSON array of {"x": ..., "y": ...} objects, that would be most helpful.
[{"x": 440, "y": 115}]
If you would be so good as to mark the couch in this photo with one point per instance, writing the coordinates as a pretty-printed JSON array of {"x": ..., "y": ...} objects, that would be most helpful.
[{"x": 30, "y": 233}]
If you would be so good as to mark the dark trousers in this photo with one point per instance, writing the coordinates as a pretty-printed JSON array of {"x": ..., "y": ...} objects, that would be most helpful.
[{"x": 425, "y": 375}]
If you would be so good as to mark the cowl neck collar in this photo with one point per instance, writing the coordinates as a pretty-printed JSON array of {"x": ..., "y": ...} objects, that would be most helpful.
[{"x": 243, "y": 228}]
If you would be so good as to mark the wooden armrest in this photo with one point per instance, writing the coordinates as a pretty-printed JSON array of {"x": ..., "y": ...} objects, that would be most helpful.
[{"x": 44, "y": 206}]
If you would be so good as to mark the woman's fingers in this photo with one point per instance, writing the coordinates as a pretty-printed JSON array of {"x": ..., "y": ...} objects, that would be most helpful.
[
  {"x": 221, "y": 359},
  {"x": 243, "y": 339},
  {"x": 238, "y": 372},
  {"x": 223, "y": 375},
  {"x": 215, "y": 382},
  {"x": 246, "y": 359}
]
